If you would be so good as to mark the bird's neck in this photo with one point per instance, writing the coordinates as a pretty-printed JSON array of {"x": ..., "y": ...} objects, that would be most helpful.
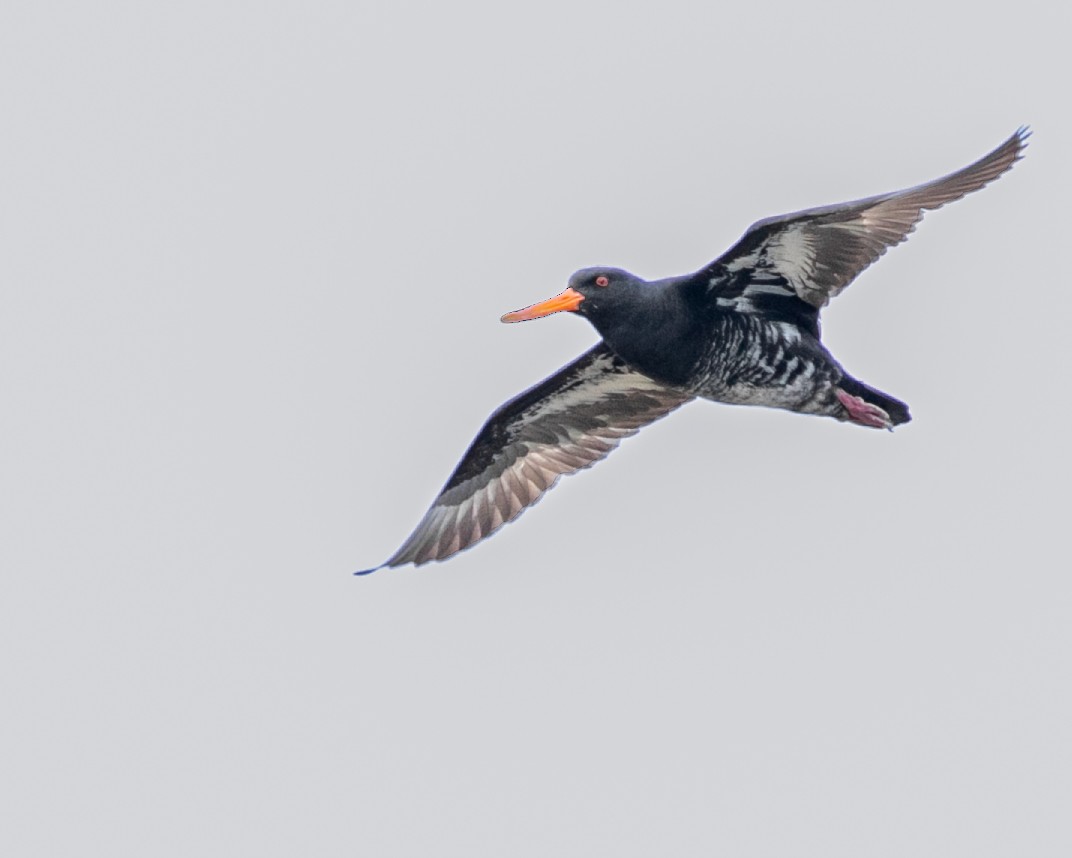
[{"x": 658, "y": 335}]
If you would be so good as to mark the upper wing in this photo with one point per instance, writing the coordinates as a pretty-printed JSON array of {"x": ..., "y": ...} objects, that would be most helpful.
[
  {"x": 812, "y": 255},
  {"x": 567, "y": 422}
]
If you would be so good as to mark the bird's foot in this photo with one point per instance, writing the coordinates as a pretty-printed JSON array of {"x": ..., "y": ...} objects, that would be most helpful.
[{"x": 863, "y": 412}]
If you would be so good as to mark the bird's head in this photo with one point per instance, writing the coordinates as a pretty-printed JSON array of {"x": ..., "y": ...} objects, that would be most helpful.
[{"x": 591, "y": 292}]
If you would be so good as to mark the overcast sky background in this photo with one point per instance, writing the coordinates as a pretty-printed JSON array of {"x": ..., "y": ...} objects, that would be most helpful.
[{"x": 253, "y": 261}]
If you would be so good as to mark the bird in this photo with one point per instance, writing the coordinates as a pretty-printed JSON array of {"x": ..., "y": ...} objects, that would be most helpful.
[{"x": 744, "y": 330}]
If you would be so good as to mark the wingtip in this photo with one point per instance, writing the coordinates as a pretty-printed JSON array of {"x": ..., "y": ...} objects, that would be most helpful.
[
  {"x": 369, "y": 571},
  {"x": 1021, "y": 136}
]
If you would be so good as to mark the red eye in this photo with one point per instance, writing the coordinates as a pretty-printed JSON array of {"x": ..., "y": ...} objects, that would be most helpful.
[{"x": 602, "y": 280}]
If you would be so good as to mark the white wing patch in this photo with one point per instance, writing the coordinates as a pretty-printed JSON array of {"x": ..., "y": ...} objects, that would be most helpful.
[
  {"x": 818, "y": 252},
  {"x": 792, "y": 254},
  {"x": 563, "y": 425}
]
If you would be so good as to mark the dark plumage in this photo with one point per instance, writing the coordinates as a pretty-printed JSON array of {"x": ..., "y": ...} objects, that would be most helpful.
[{"x": 743, "y": 329}]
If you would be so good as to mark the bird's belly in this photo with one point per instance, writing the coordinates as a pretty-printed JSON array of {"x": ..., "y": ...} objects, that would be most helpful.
[
  {"x": 767, "y": 364},
  {"x": 792, "y": 397}
]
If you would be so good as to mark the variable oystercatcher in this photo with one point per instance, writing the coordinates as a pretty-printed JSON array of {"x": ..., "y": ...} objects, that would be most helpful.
[{"x": 743, "y": 330}]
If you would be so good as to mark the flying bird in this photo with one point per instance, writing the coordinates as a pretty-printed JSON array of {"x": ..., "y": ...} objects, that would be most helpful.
[{"x": 744, "y": 329}]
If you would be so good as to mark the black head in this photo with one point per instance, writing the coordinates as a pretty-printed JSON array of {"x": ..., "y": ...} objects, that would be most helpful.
[
  {"x": 592, "y": 292},
  {"x": 603, "y": 288},
  {"x": 646, "y": 324}
]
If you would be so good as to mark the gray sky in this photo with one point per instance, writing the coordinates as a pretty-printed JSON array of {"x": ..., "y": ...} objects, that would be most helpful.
[{"x": 254, "y": 257}]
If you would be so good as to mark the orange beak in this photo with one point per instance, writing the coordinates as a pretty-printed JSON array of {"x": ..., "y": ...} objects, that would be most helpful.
[{"x": 568, "y": 300}]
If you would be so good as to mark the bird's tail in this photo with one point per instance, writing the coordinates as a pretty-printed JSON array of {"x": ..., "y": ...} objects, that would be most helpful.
[{"x": 897, "y": 410}]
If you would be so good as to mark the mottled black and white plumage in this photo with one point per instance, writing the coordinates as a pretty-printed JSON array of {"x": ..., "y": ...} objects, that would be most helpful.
[{"x": 743, "y": 330}]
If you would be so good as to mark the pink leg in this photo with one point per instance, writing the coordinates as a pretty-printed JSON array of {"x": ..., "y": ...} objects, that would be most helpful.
[{"x": 862, "y": 412}]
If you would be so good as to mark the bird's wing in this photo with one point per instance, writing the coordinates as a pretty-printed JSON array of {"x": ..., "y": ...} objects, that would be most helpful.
[
  {"x": 812, "y": 255},
  {"x": 565, "y": 423}
]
